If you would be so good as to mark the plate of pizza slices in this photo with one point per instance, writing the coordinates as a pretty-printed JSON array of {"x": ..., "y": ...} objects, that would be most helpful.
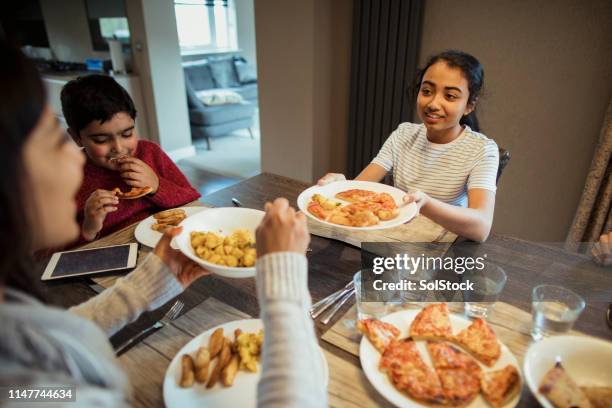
[
  {"x": 430, "y": 357},
  {"x": 356, "y": 205}
]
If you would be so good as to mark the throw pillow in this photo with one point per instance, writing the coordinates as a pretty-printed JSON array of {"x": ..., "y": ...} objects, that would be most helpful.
[
  {"x": 223, "y": 72},
  {"x": 212, "y": 97},
  {"x": 247, "y": 74}
]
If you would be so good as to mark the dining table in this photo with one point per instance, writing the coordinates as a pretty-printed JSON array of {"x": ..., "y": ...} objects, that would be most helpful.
[{"x": 332, "y": 262}]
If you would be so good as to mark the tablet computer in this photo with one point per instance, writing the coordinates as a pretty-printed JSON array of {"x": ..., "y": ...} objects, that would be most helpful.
[{"x": 91, "y": 261}]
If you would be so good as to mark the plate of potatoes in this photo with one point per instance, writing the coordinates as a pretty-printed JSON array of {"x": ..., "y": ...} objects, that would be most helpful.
[
  {"x": 220, "y": 368},
  {"x": 222, "y": 240}
]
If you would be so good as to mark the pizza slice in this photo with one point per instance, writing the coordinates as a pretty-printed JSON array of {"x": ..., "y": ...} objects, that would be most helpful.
[
  {"x": 459, "y": 373},
  {"x": 432, "y": 323},
  {"x": 480, "y": 340},
  {"x": 134, "y": 193},
  {"x": 599, "y": 397},
  {"x": 379, "y": 333},
  {"x": 409, "y": 373},
  {"x": 321, "y": 207},
  {"x": 500, "y": 386},
  {"x": 561, "y": 390},
  {"x": 355, "y": 195}
]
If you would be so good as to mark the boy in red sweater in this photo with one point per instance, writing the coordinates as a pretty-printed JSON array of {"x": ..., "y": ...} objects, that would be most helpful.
[{"x": 101, "y": 118}]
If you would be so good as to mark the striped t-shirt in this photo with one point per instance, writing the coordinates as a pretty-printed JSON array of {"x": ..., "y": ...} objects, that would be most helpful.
[{"x": 443, "y": 171}]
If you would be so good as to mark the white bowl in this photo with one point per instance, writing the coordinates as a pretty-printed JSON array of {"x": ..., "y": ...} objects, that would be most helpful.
[
  {"x": 587, "y": 360},
  {"x": 222, "y": 221}
]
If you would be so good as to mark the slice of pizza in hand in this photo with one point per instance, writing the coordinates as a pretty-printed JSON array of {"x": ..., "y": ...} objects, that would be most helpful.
[
  {"x": 480, "y": 340},
  {"x": 500, "y": 386},
  {"x": 559, "y": 388},
  {"x": 459, "y": 373},
  {"x": 379, "y": 333},
  {"x": 135, "y": 192},
  {"x": 409, "y": 373},
  {"x": 432, "y": 323}
]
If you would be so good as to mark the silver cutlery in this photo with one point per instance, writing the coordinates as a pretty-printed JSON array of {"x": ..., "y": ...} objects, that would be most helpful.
[
  {"x": 172, "y": 314},
  {"x": 236, "y": 202},
  {"x": 341, "y": 303},
  {"x": 323, "y": 304}
]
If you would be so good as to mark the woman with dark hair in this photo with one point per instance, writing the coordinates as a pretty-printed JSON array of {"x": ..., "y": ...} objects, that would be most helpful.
[
  {"x": 445, "y": 165},
  {"x": 40, "y": 172}
]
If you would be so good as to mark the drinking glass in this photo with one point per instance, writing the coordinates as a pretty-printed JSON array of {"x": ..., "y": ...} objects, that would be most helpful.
[
  {"x": 488, "y": 285},
  {"x": 372, "y": 305},
  {"x": 554, "y": 310}
]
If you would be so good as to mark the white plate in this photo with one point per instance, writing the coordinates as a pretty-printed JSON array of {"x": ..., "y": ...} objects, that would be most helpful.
[
  {"x": 242, "y": 394},
  {"x": 146, "y": 236},
  {"x": 222, "y": 221},
  {"x": 587, "y": 360},
  {"x": 406, "y": 213},
  {"x": 370, "y": 359}
]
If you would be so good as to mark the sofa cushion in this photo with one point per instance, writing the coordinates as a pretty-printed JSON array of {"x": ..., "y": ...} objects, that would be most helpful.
[
  {"x": 247, "y": 73},
  {"x": 213, "y": 115},
  {"x": 223, "y": 72},
  {"x": 247, "y": 91},
  {"x": 199, "y": 75},
  {"x": 211, "y": 97}
]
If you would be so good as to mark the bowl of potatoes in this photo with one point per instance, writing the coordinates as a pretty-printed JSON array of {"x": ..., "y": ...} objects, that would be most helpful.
[{"x": 222, "y": 240}]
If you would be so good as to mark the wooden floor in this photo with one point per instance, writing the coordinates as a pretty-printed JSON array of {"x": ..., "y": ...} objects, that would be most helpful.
[{"x": 206, "y": 182}]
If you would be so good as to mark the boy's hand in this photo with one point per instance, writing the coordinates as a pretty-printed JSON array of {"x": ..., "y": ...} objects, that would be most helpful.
[
  {"x": 137, "y": 173},
  {"x": 282, "y": 230},
  {"x": 99, "y": 203}
]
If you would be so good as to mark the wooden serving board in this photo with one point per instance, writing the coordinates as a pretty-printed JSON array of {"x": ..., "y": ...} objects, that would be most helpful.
[{"x": 419, "y": 229}]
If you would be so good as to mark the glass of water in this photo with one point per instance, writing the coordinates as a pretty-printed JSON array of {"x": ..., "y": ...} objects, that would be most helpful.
[
  {"x": 554, "y": 310},
  {"x": 488, "y": 284},
  {"x": 370, "y": 305}
]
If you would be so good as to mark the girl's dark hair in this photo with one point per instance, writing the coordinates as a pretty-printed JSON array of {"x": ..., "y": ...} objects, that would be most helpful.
[
  {"x": 94, "y": 97},
  {"x": 473, "y": 72},
  {"x": 21, "y": 106}
]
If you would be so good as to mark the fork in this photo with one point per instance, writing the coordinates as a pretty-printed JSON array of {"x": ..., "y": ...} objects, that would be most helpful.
[
  {"x": 326, "y": 302},
  {"x": 170, "y": 315}
]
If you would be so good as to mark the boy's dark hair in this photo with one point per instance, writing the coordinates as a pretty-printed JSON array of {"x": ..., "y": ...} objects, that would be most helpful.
[
  {"x": 94, "y": 97},
  {"x": 473, "y": 72}
]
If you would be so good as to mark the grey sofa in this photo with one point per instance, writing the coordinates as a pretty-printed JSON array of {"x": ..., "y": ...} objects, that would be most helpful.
[{"x": 232, "y": 73}]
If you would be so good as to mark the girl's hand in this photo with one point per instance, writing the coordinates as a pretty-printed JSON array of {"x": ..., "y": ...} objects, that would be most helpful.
[
  {"x": 137, "y": 173},
  {"x": 602, "y": 250},
  {"x": 282, "y": 230},
  {"x": 330, "y": 178},
  {"x": 418, "y": 197},
  {"x": 184, "y": 269},
  {"x": 97, "y": 206}
]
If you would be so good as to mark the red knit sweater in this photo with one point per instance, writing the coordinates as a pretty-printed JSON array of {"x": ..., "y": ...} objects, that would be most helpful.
[{"x": 174, "y": 189}]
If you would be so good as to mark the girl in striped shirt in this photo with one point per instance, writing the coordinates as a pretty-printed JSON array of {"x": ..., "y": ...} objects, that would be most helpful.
[{"x": 445, "y": 165}]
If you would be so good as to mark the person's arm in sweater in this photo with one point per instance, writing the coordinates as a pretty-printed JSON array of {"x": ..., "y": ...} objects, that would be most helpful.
[
  {"x": 164, "y": 274},
  {"x": 292, "y": 372}
]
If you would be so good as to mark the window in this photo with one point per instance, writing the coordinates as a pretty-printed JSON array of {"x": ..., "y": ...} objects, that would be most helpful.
[{"x": 206, "y": 26}]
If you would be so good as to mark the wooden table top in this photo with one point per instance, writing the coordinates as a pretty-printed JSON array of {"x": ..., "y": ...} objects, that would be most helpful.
[{"x": 333, "y": 263}]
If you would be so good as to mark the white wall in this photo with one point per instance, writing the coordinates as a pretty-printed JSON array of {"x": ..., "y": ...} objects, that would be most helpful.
[
  {"x": 245, "y": 22},
  {"x": 157, "y": 61}
]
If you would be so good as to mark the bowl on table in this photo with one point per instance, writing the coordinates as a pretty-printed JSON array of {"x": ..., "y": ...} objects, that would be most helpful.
[{"x": 222, "y": 221}]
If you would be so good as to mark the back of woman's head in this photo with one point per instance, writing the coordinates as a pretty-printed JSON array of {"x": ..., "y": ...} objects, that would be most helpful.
[
  {"x": 472, "y": 71},
  {"x": 21, "y": 106}
]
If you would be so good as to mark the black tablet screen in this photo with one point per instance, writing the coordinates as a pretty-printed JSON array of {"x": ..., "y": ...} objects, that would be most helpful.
[{"x": 92, "y": 260}]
